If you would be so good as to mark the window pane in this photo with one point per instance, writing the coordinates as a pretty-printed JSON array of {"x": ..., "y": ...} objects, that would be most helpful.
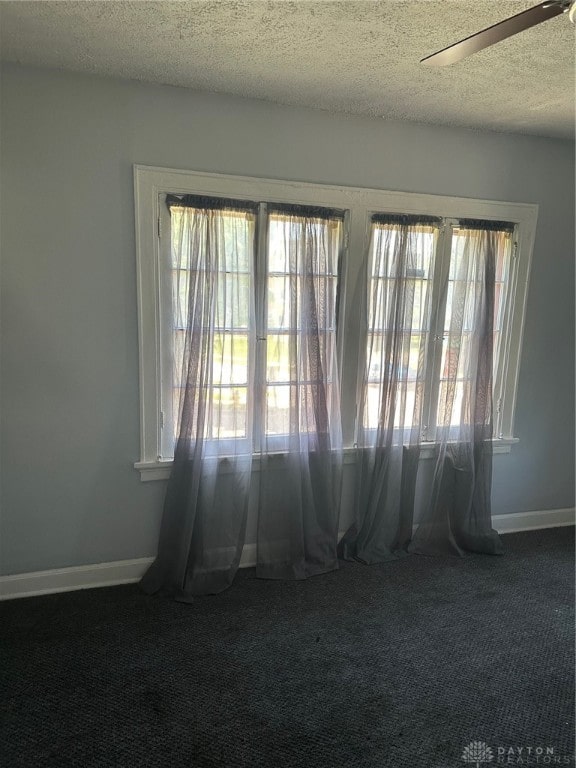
[
  {"x": 212, "y": 254},
  {"x": 291, "y": 408},
  {"x": 372, "y": 406},
  {"x": 464, "y": 307},
  {"x": 226, "y": 411},
  {"x": 404, "y": 411},
  {"x": 287, "y": 236},
  {"x": 285, "y": 302},
  {"x": 278, "y": 365},
  {"x": 282, "y": 313},
  {"x": 233, "y": 305},
  {"x": 227, "y": 415},
  {"x": 277, "y": 410},
  {"x": 301, "y": 294},
  {"x": 456, "y": 352},
  {"x": 230, "y": 359},
  {"x": 463, "y": 304},
  {"x": 179, "y": 340},
  {"x": 233, "y": 308},
  {"x": 406, "y": 295},
  {"x": 228, "y": 228},
  {"x": 464, "y": 275},
  {"x": 457, "y": 256},
  {"x": 238, "y": 242},
  {"x": 399, "y": 312},
  {"x": 453, "y": 408},
  {"x": 402, "y": 397},
  {"x": 503, "y": 256},
  {"x": 407, "y": 365},
  {"x": 278, "y": 253},
  {"x": 417, "y": 245}
]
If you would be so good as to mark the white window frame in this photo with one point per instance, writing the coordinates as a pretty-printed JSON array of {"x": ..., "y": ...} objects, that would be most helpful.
[{"x": 151, "y": 184}]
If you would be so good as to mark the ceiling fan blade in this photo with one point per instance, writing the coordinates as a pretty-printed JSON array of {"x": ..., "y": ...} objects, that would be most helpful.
[{"x": 495, "y": 33}]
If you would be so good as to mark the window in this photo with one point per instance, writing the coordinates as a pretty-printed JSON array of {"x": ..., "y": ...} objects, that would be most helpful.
[
  {"x": 435, "y": 285},
  {"x": 402, "y": 302},
  {"x": 253, "y": 359},
  {"x": 290, "y": 372},
  {"x": 256, "y": 311},
  {"x": 224, "y": 241}
]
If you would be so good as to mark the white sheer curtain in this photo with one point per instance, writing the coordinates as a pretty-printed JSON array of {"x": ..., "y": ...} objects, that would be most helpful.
[
  {"x": 301, "y": 443},
  {"x": 458, "y": 515},
  {"x": 254, "y": 361},
  {"x": 397, "y": 286},
  {"x": 211, "y": 303},
  {"x": 431, "y": 333},
  {"x": 240, "y": 374}
]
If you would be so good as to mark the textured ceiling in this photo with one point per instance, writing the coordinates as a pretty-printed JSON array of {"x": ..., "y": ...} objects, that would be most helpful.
[{"x": 356, "y": 57}]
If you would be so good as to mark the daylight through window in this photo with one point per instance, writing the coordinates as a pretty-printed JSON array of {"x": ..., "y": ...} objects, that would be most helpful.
[{"x": 366, "y": 301}]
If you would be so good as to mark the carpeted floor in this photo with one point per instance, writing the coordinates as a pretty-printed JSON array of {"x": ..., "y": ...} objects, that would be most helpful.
[{"x": 398, "y": 665}]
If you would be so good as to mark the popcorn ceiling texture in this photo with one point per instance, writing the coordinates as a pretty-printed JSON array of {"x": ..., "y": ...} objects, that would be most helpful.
[{"x": 355, "y": 57}]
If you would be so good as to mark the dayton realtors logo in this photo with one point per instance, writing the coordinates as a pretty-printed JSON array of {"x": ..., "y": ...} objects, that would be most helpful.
[{"x": 478, "y": 753}]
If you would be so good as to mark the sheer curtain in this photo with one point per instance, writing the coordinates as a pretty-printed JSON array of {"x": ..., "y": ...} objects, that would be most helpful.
[
  {"x": 210, "y": 300},
  {"x": 458, "y": 514},
  {"x": 300, "y": 437},
  {"x": 399, "y": 276}
]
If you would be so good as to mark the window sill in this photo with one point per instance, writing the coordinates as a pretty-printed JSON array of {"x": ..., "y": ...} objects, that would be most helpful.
[
  {"x": 160, "y": 470},
  {"x": 499, "y": 445}
]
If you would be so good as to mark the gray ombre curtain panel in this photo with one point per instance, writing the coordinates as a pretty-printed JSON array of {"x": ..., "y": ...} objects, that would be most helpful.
[
  {"x": 252, "y": 358},
  {"x": 300, "y": 441},
  {"x": 407, "y": 318},
  {"x": 398, "y": 273},
  {"x": 212, "y": 310},
  {"x": 458, "y": 513},
  {"x": 254, "y": 371}
]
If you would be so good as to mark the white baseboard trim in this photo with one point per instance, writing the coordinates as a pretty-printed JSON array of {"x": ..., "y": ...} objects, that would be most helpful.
[
  {"x": 76, "y": 577},
  {"x": 532, "y": 521},
  {"x": 130, "y": 571}
]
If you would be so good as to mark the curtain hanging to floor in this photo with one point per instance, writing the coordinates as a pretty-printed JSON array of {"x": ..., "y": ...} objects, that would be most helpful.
[
  {"x": 398, "y": 306},
  {"x": 428, "y": 376},
  {"x": 458, "y": 514},
  {"x": 255, "y": 373},
  {"x": 300, "y": 442},
  {"x": 212, "y": 309}
]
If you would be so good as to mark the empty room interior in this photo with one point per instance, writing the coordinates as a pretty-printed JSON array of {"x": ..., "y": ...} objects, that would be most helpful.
[{"x": 287, "y": 383}]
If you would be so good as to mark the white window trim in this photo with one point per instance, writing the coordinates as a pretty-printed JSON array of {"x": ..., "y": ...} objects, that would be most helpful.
[
  {"x": 151, "y": 182},
  {"x": 160, "y": 470}
]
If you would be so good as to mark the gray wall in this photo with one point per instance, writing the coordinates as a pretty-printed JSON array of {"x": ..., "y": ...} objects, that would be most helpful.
[{"x": 69, "y": 410}]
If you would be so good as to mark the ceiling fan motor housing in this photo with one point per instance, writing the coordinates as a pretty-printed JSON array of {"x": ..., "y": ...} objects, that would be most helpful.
[{"x": 568, "y": 6}]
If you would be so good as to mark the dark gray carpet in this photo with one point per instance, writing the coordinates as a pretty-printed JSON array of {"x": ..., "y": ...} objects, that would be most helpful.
[{"x": 396, "y": 665}]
